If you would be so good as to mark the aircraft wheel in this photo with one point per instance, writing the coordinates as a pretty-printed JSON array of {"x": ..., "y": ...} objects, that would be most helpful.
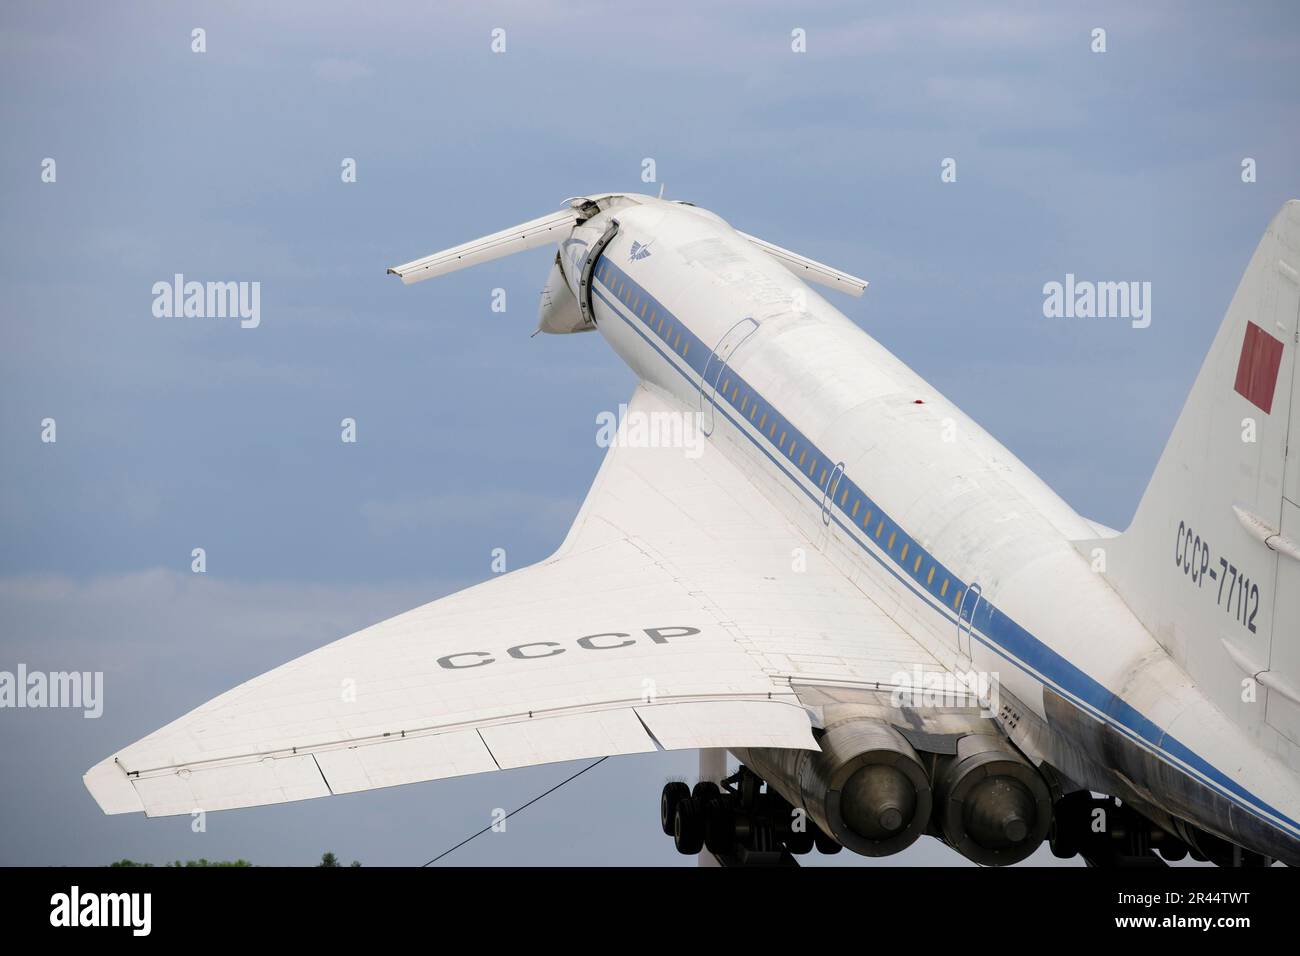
[
  {"x": 1174, "y": 852},
  {"x": 801, "y": 843},
  {"x": 1059, "y": 841},
  {"x": 705, "y": 792},
  {"x": 1069, "y": 819},
  {"x": 672, "y": 794},
  {"x": 688, "y": 827},
  {"x": 825, "y": 844}
]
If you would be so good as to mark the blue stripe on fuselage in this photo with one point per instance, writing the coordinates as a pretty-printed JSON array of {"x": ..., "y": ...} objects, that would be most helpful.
[{"x": 992, "y": 628}]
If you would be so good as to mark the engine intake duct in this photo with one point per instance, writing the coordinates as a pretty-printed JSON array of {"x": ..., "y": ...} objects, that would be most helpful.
[
  {"x": 866, "y": 788},
  {"x": 991, "y": 804}
]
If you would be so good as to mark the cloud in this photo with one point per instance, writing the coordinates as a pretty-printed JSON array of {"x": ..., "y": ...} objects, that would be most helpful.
[{"x": 145, "y": 621}]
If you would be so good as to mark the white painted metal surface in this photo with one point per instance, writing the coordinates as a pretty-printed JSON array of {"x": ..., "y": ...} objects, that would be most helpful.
[
  {"x": 664, "y": 541},
  {"x": 715, "y": 586},
  {"x": 810, "y": 269},
  {"x": 527, "y": 235},
  {"x": 1206, "y": 559}
]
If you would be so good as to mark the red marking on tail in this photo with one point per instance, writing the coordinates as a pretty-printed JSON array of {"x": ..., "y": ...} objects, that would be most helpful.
[{"x": 1261, "y": 356}]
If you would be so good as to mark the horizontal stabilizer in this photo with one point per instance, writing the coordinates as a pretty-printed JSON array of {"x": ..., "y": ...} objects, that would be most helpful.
[
  {"x": 526, "y": 235},
  {"x": 810, "y": 269}
]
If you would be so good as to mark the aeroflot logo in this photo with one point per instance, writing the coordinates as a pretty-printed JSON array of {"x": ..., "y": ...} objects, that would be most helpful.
[
  {"x": 532, "y": 650},
  {"x": 639, "y": 251}
]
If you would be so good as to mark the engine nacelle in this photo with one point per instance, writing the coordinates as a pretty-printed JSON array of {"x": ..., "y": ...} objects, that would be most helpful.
[
  {"x": 991, "y": 805},
  {"x": 866, "y": 788}
]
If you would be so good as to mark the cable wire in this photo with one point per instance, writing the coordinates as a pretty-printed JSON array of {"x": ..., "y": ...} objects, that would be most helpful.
[{"x": 514, "y": 811}]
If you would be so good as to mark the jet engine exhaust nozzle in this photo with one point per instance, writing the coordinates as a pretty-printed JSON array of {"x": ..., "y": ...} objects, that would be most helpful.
[
  {"x": 992, "y": 805},
  {"x": 874, "y": 789},
  {"x": 878, "y": 801},
  {"x": 866, "y": 788}
]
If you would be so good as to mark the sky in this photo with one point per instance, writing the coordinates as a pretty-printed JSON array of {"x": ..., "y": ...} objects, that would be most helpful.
[{"x": 181, "y": 433}]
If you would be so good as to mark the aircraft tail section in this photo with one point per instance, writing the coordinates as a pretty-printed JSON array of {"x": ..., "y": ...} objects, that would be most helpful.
[{"x": 1211, "y": 561}]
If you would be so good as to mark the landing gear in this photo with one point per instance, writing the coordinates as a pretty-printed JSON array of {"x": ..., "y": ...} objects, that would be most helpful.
[
  {"x": 688, "y": 827},
  {"x": 825, "y": 844},
  {"x": 705, "y": 792},
  {"x": 739, "y": 822},
  {"x": 673, "y": 794},
  {"x": 1108, "y": 833},
  {"x": 802, "y": 842},
  {"x": 719, "y": 829}
]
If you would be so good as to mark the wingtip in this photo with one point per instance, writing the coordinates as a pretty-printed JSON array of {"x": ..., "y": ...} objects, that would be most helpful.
[{"x": 111, "y": 787}]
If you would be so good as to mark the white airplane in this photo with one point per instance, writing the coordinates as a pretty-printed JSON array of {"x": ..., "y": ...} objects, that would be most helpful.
[{"x": 894, "y": 626}]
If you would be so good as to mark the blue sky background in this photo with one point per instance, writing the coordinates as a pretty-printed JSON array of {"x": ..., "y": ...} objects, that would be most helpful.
[{"x": 183, "y": 433}]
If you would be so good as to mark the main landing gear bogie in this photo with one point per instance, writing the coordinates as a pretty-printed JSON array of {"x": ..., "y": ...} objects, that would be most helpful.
[
  {"x": 1105, "y": 832},
  {"x": 739, "y": 822}
]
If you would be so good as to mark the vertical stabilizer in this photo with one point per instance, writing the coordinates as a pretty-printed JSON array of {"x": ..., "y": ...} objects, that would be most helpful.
[{"x": 1211, "y": 562}]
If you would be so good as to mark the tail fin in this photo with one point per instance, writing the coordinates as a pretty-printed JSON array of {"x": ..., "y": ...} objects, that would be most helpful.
[{"x": 1211, "y": 562}]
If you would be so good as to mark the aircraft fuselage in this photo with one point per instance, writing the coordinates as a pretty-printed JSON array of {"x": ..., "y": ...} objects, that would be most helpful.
[{"x": 933, "y": 519}]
